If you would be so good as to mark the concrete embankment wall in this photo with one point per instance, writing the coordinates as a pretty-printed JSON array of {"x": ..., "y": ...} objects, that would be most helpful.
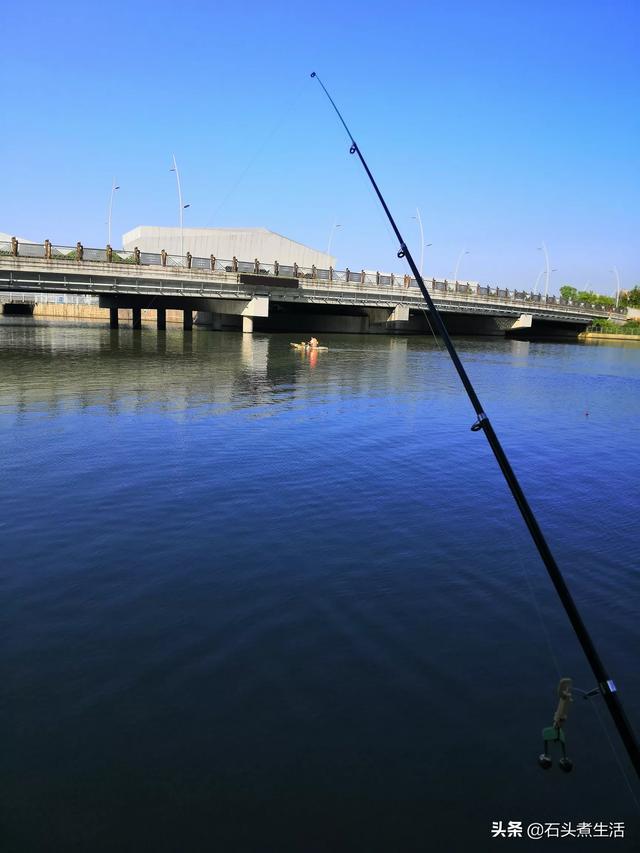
[
  {"x": 605, "y": 336},
  {"x": 71, "y": 311}
]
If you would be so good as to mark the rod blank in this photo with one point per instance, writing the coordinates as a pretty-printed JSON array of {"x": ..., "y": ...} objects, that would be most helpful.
[{"x": 605, "y": 684}]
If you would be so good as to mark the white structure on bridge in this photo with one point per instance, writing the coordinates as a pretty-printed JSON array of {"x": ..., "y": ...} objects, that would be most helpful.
[
  {"x": 6, "y": 238},
  {"x": 242, "y": 243}
]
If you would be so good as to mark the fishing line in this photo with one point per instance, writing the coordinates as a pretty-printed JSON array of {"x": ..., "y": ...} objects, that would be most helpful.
[
  {"x": 536, "y": 604},
  {"x": 279, "y": 123},
  {"x": 435, "y": 337},
  {"x": 390, "y": 238},
  {"x": 384, "y": 222},
  {"x": 593, "y": 702},
  {"x": 605, "y": 684},
  {"x": 552, "y": 654}
]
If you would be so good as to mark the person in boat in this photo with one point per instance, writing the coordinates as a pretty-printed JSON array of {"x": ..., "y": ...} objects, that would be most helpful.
[{"x": 313, "y": 343}]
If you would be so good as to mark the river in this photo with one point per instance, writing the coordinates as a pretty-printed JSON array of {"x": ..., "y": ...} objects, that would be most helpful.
[{"x": 256, "y": 601}]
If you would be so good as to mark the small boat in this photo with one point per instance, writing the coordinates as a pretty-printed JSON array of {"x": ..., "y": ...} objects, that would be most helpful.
[{"x": 307, "y": 348}]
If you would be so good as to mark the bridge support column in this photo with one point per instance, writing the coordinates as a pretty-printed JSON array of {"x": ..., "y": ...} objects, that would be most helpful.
[
  {"x": 524, "y": 321},
  {"x": 113, "y": 318},
  {"x": 257, "y": 306},
  {"x": 400, "y": 314},
  {"x": 161, "y": 314},
  {"x": 187, "y": 319},
  {"x": 136, "y": 317}
]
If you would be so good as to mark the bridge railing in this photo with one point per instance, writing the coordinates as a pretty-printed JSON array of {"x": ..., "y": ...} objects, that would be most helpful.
[{"x": 365, "y": 279}]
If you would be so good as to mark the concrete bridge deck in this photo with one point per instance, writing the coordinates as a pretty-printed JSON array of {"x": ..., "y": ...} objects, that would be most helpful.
[{"x": 253, "y": 290}]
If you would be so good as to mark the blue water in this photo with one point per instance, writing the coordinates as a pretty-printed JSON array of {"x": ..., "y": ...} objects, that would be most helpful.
[{"x": 257, "y": 602}]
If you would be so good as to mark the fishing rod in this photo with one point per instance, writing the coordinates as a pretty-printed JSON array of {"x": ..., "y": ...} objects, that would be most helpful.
[{"x": 606, "y": 686}]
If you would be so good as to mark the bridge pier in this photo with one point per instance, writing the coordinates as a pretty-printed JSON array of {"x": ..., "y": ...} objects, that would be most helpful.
[
  {"x": 244, "y": 309},
  {"x": 113, "y": 318},
  {"x": 524, "y": 321},
  {"x": 384, "y": 318},
  {"x": 400, "y": 314},
  {"x": 136, "y": 318},
  {"x": 161, "y": 315},
  {"x": 187, "y": 319}
]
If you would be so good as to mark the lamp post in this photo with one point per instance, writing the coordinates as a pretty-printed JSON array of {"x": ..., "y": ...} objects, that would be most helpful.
[
  {"x": 460, "y": 256},
  {"x": 181, "y": 206},
  {"x": 543, "y": 248},
  {"x": 331, "y": 233},
  {"x": 426, "y": 246},
  {"x": 419, "y": 218},
  {"x": 548, "y": 279},
  {"x": 113, "y": 189},
  {"x": 617, "y": 274},
  {"x": 423, "y": 245},
  {"x": 540, "y": 274}
]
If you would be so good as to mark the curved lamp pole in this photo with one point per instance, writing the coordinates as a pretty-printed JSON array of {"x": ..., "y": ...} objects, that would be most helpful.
[
  {"x": 423, "y": 245},
  {"x": 540, "y": 274},
  {"x": 460, "y": 257},
  {"x": 426, "y": 246},
  {"x": 331, "y": 233},
  {"x": 113, "y": 189},
  {"x": 543, "y": 248},
  {"x": 419, "y": 218},
  {"x": 180, "y": 204},
  {"x": 617, "y": 274}
]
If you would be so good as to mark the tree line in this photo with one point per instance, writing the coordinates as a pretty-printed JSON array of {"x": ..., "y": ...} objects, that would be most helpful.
[{"x": 628, "y": 298}]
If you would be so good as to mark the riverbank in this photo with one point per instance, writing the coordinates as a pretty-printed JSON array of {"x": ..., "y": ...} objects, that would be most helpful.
[
  {"x": 87, "y": 311},
  {"x": 608, "y": 336}
]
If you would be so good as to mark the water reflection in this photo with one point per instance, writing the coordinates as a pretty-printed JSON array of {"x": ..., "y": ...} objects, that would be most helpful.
[
  {"x": 54, "y": 368},
  {"x": 255, "y": 582}
]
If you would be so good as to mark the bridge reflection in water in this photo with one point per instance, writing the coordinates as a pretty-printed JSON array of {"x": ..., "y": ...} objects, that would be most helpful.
[{"x": 72, "y": 367}]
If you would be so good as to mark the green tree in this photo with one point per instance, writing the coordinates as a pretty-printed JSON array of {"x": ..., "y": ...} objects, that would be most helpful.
[
  {"x": 632, "y": 298},
  {"x": 592, "y": 298},
  {"x": 568, "y": 292}
]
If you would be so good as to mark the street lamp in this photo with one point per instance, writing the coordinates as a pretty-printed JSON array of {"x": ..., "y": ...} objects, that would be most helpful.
[
  {"x": 423, "y": 245},
  {"x": 554, "y": 269},
  {"x": 181, "y": 206},
  {"x": 419, "y": 218},
  {"x": 540, "y": 274},
  {"x": 460, "y": 256},
  {"x": 113, "y": 189},
  {"x": 331, "y": 233},
  {"x": 615, "y": 270},
  {"x": 543, "y": 248}
]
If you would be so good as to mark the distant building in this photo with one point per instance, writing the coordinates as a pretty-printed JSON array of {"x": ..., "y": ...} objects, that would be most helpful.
[
  {"x": 225, "y": 243},
  {"x": 6, "y": 238}
]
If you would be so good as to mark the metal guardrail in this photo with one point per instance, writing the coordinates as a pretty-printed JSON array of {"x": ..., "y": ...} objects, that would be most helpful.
[
  {"x": 619, "y": 330},
  {"x": 326, "y": 277},
  {"x": 13, "y": 296}
]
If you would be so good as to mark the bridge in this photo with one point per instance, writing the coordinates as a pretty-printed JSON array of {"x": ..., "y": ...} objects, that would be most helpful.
[{"x": 229, "y": 293}]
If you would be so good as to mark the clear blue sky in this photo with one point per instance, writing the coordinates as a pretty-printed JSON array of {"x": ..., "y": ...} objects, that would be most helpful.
[{"x": 506, "y": 122}]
